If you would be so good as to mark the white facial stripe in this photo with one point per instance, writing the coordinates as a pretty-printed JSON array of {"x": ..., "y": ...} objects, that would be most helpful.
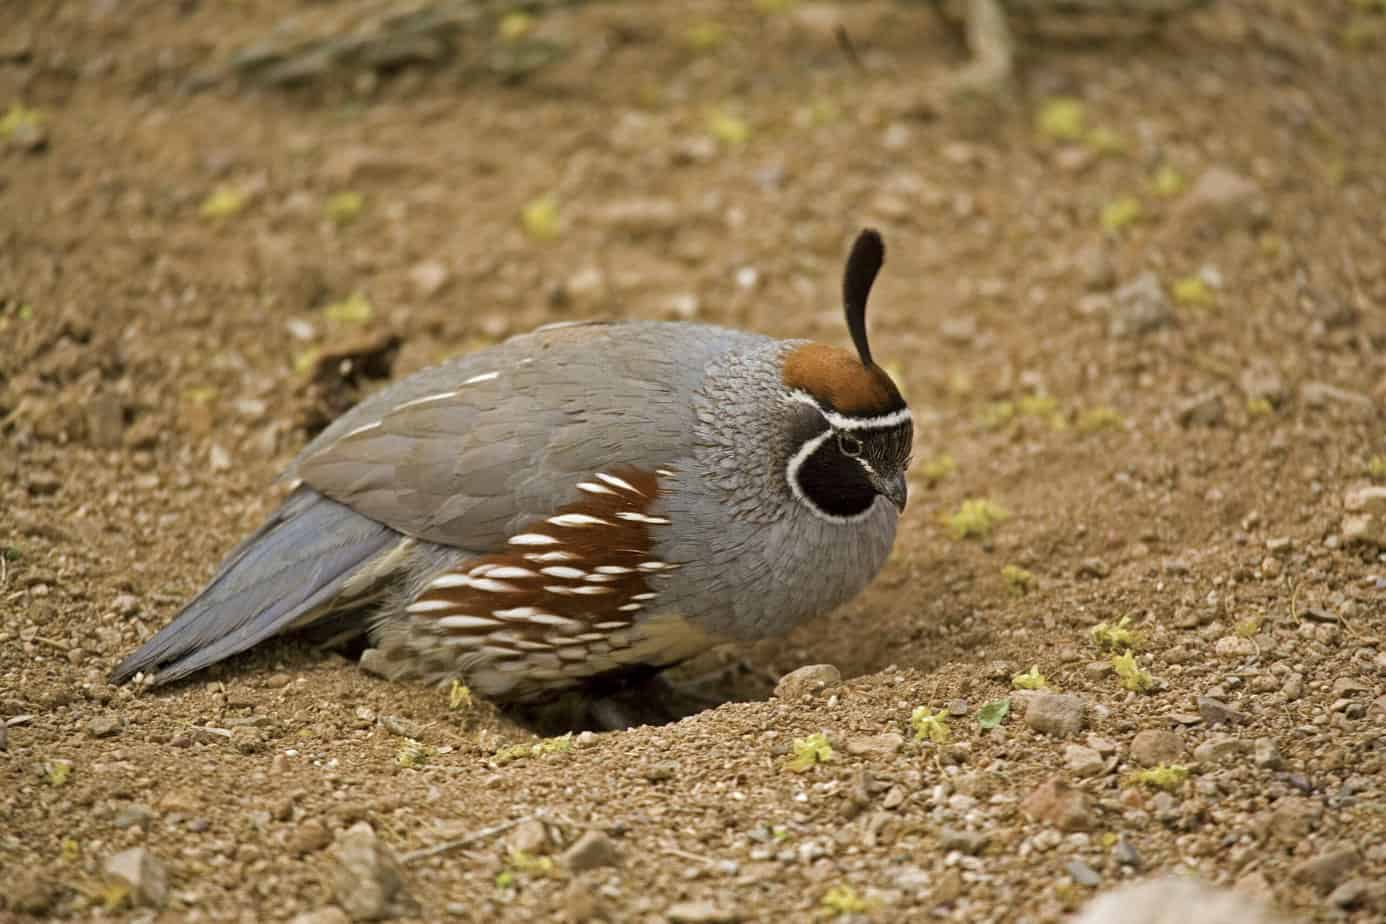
[
  {"x": 791, "y": 474},
  {"x": 840, "y": 422}
]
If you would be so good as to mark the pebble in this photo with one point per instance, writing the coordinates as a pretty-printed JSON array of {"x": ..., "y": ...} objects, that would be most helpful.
[
  {"x": 126, "y": 605},
  {"x": 429, "y": 278},
  {"x": 29, "y": 892},
  {"x": 1083, "y": 761},
  {"x": 1220, "y": 748},
  {"x": 1265, "y": 753},
  {"x": 107, "y": 725},
  {"x": 1214, "y": 711},
  {"x": 1126, "y": 854},
  {"x": 1205, "y": 409},
  {"x": 1348, "y": 894},
  {"x": 586, "y": 739},
  {"x": 404, "y": 728},
  {"x": 140, "y": 871},
  {"x": 592, "y": 850},
  {"x": 969, "y": 842},
  {"x": 309, "y": 837},
  {"x": 1173, "y": 898},
  {"x": 367, "y": 879},
  {"x": 1056, "y": 713},
  {"x": 373, "y": 661},
  {"x": 329, "y": 915},
  {"x": 807, "y": 680},
  {"x": 886, "y": 745},
  {"x": 1223, "y": 200},
  {"x": 1157, "y": 746},
  {"x": 701, "y": 912},
  {"x": 1082, "y": 873},
  {"x": 640, "y": 216},
  {"x": 1234, "y": 646},
  {"x": 1365, "y": 522},
  {"x": 132, "y": 814},
  {"x": 1293, "y": 818},
  {"x": 1059, "y": 804},
  {"x": 1323, "y": 395},
  {"x": 1261, "y": 381},
  {"x": 1139, "y": 307},
  {"x": 1328, "y": 869}
]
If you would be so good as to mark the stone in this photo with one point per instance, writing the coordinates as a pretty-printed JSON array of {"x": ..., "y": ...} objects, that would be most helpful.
[
  {"x": 640, "y": 216},
  {"x": 142, "y": 873},
  {"x": 1139, "y": 307},
  {"x": 1082, "y": 873},
  {"x": 1327, "y": 870},
  {"x": 1126, "y": 854},
  {"x": 1261, "y": 381},
  {"x": 367, "y": 879},
  {"x": 373, "y": 661},
  {"x": 1222, "y": 200},
  {"x": 592, "y": 850},
  {"x": 806, "y": 680},
  {"x": 105, "y": 416},
  {"x": 1173, "y": 898},
  {"x": 1205, "y": 409},
  {"x": 1265, "y": 753},
  {"x": 27, "y": 891},
  {"x": 329, "y": 915},
  {"x": 107, "y": 725},
  {"x": 429, "y": 278},
  {"x": 1220, "y": 748},
  {"x": 1349, "y": 894},
  {"x": 969, "y": 842},
  {"x": 886, "y": 745},
  {"x": 1083, "y": 761},
  {"x": 701, "y": 912},
  {"x": 1157, "y": 746},
  {"x": 1324, "y": 396},
  {"x": 1234, "y": 646},
  {"x": 309, "y": 837},
  {"x": 1293, "y": 819},
  {"x": 1365, "y": 522},
  {"x": 1058, "y": 714},
  {"x": 1214, "y": 711},
  {"x": 1059, "y": 804}
]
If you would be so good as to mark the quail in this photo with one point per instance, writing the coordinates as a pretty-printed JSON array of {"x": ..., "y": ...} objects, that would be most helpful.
[{"x": 586, "y": 501}]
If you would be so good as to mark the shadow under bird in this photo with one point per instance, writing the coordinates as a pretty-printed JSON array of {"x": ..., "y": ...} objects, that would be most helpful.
[{"x": 583, "y": 502}]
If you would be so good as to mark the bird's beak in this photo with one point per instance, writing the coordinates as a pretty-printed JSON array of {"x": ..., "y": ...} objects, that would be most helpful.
[{"x": 895, "y": 489}]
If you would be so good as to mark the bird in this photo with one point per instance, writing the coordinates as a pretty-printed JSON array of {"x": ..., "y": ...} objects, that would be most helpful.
[{"x": 587, "y": 501}]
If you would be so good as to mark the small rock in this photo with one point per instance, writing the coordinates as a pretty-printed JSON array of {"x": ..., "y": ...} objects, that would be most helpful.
[
  {"x": 1234, "y": 647},
  {"x": 107, "y": 725},
  {"x": 1327, "y": 870},
  {"x": 429, "y": 278},
  {"x": 42, "y": 482},
  {"x": 886, "y": 745},
  {"x": 1082, "y": 873},
  {"x": 309, "y": 837},
  {"x": 404, "y": 728},
  {"x": 1056, "y": 713},
  {"x": 1293, "y": 819},
  {"x": 1261, "y": 381},
  {"x": 1266, "y": 754},
  {"x": 1215, "y": 711},
  {"x": 640, "y": 216},
  {"x": 1126, "y": 854},
  {"x": 661, "y": 770},
  {"x": 1093, "y": 568},
  {"x": 1222, "y": 200},
  {"x": 1095, "y": 266},
  {"x": 367, "y": 879},
  {"x": 948, "y": 888},
  {"x": 4, "y": 736},
  {"x": 218, "y": 458},
  {"x": 1349, "y": 894},
  {"x": 1323, "y": 395},
  {"x": 590, "y": 851},
  {"x": 248, "y": 740},
  {"x": 530, "y": 836},
  {"x": 1083, "y": 761},
  {"x": 1173, "y": 898},
  {"x": 809, "y": 679},
  {"x": 701, "y": 912},
  {"x": 1366, "y": 519},
  {"x": 1219, "y": 748},
  {"x": 1157, "y": 746},
  {"x": 329, "y": 915},
  {"x": 1202, "y": 410},
  {"x": 140, "y": 871},
  {"x": 126, "y": 605},
  {"x": 27, "y": 891},
  {"x": 1059, "y": 804},
  {"x": 1139, "y": 307},
  {"x": 105, "y": 421},
  {"x": 132, "y": 815},
  {"x": 969, "y": 842},
  {"x": 373, "y": 661},
  {"x": 586, "y": 739}
]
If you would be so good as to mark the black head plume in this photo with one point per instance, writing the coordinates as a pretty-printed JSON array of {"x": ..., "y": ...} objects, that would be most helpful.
[{"x": 863, "y": 263}]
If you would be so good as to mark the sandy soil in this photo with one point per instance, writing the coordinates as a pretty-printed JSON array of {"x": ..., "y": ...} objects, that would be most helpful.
[{"x": 1177, "y": 450}]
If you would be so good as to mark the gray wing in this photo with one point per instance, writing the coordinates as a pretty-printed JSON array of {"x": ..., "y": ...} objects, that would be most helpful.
[{"x": 464, "y": 454}]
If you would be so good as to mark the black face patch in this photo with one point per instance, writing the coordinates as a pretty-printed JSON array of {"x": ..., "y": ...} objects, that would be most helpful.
[{"x": 836, "y": 476}]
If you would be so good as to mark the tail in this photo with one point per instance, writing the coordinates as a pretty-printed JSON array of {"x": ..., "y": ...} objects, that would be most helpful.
[{"x": 294, "y": 565}]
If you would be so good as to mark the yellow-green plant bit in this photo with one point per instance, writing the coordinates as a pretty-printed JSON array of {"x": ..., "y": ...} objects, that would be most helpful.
[
  {"x": 1030, "y": 680},
  {"x": 929, "y": 725},
  {"x": 1164, "y": 776},
  {"x": 1120, "y": 635},
  {"x": 809, "y": 752},
  {"x": 1130, "y": 675},
  {"x": 843, "y": 899},
  {"x": 975, "y": 518},
  {"x": 1018, "y": 580}
]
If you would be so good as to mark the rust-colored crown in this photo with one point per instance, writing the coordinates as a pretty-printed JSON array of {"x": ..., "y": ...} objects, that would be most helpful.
[{"x": 847, "y": 384}]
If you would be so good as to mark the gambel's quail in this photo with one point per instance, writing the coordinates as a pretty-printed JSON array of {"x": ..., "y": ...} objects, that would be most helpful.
[{"x": 575, "y": 504}]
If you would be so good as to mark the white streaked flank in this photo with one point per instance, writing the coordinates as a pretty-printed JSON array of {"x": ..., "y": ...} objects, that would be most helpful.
[
  {"x": 563, "y": 571},
  {"x": 466, "y": 622},
  {"x": 364, "y": 428},
  {"x": 428, "y": 606},
  {"x": 592, "y": 488},
  {"x": 619, "y": 483},
  {"x": 576, "y": 520},
  {"x": 532, "y": 539},
  {"x": 484, "y": 377},
  {"x": 426, "y": 399},
  {"x": 642, "y": 518}
]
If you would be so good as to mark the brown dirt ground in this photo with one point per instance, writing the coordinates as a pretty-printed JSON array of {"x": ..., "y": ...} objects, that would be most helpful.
[{"x": 149, "y": 396}]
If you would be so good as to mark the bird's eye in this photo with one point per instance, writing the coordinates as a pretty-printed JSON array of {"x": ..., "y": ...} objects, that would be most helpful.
[{"x": 850, "y": 445}]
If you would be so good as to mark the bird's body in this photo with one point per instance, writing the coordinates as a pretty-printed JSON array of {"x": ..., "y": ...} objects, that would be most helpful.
[{"x": 573, "y": 503}]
